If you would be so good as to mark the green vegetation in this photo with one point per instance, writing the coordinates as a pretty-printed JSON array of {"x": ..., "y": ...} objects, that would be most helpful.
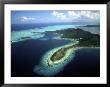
[{"x": 60, "y": 53}]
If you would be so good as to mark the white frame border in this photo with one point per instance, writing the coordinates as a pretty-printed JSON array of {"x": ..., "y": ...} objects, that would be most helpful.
[{"x": 55, "y": 80}]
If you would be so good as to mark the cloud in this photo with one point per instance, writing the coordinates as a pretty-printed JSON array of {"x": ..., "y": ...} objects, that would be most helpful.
[
  {"x": 77, "y": 15},
  {"x": 24, "y": 19},
  {"x": 59, "y": 15},
  {"x": 73, "y": 14},
  {"x": 90, "y": 14},
  {"x": 54, "y": 13},
  {"x": 84, "y": 15}
]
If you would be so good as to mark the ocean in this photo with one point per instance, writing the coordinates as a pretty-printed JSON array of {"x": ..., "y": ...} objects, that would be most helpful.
[{"x": 26, "y": 53}]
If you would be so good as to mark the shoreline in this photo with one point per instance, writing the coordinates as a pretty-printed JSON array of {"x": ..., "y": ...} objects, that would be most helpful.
[
  {"x": 67, "y": 54},
  {"x": 85, "y": 47},
  {"x": 65, "y": 57}
]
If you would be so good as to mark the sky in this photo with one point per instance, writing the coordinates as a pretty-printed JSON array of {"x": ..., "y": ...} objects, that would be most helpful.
[{"x": 53, "y": 16}]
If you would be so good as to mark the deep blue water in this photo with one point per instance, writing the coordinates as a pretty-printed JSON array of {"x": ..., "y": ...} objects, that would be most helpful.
[
  {"x": 17, "y": 27},
  {"x": 26, "y": 54}
]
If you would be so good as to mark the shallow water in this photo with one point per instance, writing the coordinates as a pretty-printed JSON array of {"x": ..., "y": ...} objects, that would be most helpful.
[
  {"x": 44, "y": 69},
  {"x": 27, "y": 53}
]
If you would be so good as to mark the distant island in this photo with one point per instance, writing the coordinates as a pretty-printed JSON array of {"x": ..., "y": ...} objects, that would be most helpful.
[{"x": 92, "y": 26}]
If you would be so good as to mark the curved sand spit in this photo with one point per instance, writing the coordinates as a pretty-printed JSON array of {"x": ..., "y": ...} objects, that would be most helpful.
[{"x": 48, "y": 68}]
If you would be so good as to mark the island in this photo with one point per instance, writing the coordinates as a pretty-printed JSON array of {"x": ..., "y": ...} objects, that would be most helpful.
[
  {"x": 60, "y": 53},
  {"x": 85, "y": 38}
]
